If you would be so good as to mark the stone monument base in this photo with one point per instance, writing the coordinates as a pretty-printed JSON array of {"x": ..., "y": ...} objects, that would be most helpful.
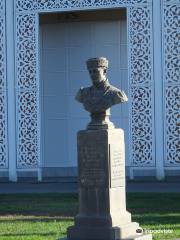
[
  {"x": 102, "y": 193},
  {"x": 127, "y": 232},
  {"x": 137, "y": 237}
]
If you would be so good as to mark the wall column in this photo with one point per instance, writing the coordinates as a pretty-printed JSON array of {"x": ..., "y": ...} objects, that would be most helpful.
[
  {"x": 11, "y": 89},
  {"x": 159, "y": 140}
]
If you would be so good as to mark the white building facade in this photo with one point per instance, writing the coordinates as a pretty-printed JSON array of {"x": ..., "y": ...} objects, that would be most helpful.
[{"x": 43, "y": 48}]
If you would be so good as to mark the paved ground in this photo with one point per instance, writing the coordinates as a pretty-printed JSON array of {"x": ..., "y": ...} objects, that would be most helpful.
[{"x": 67, "y": 187}]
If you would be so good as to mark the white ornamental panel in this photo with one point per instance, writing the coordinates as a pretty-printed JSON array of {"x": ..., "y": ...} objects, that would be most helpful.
[
  {"x": 141, "y": 87},
  {"x": 171, "y": 37},
  {"x": 50, "y": 5},
  {"x": 3, "y": 91},
  {"x": 140, "y": 74}
]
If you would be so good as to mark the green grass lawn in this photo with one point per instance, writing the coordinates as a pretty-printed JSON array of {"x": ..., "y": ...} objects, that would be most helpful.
[{"x": 47, "y": 216}]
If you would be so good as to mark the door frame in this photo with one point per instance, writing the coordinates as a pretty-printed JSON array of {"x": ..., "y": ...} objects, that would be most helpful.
[{"x": 140, "y": 54}]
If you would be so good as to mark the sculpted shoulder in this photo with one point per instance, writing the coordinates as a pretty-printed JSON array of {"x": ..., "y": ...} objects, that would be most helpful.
[
  {"x": 119, "y": 96},
  {"x": 82, "y": 92}
]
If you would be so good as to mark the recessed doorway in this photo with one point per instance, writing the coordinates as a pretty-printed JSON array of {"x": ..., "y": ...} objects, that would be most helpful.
[{"x": 67, "y": 40}]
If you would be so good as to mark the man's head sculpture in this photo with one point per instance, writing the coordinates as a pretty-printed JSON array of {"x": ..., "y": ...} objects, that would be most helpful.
[
  {"x": 98, "y": 98},
  {"x": 97, "y": 68}
]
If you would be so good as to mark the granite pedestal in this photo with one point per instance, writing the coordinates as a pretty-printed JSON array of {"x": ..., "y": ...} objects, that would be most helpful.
[{"x": 102, "y": 194}]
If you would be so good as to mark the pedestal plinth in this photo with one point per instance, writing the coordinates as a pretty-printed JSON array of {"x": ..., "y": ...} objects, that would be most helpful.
[{"x": 102, "y": 196}]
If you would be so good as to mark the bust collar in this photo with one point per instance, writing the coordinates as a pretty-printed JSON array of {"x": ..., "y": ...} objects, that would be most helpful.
[{"x": 102, "y": 85}]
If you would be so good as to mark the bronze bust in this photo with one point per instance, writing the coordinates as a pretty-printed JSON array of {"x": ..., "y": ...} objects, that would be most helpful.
[{"x": 98, "y": 98}]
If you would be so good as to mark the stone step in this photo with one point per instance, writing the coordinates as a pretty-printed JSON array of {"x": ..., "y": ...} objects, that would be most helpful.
[{"x": 139, "y": 237}]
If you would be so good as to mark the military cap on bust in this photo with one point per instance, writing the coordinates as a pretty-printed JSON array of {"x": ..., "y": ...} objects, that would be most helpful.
[{"x": 97, "y": 62}]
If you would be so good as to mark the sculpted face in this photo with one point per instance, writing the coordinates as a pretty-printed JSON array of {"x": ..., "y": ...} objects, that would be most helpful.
[{"x": 97, "y": 74}]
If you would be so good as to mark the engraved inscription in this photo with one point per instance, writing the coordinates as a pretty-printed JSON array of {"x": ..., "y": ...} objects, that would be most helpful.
[
  {"x": 117, "y": 166},
  {"x": 92, "y": 171}
]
